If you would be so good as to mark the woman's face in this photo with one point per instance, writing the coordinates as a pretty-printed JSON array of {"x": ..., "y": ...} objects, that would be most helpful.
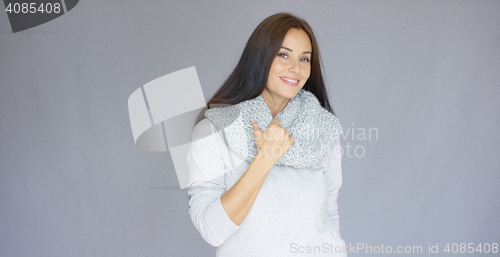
[{"x": 291, "y": 67}]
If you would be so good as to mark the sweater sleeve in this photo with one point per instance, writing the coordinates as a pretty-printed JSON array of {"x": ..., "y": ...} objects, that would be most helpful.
[
  {"x": 207, "y": 185},
  {"x": 333, "y": 176}
]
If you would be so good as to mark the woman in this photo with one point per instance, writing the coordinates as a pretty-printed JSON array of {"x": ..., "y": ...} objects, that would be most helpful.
[{"x": 266, "y": 170}]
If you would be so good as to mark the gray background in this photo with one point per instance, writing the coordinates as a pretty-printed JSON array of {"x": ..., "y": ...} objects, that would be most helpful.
[{"x": 425, "y": 74}]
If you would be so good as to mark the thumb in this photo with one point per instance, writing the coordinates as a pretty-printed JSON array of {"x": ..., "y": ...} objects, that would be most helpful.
[
  {"x": 254, "y": 125},
  {"x": 256, "y": 129}
]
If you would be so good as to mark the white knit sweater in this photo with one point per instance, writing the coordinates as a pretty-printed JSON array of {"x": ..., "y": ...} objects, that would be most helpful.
[{"x": 294, "y": 214}]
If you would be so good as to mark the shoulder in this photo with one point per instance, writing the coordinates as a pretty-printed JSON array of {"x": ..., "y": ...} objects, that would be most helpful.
[
  {"x": 203, "y": 129},
  {"x": 204, "y": 137}
]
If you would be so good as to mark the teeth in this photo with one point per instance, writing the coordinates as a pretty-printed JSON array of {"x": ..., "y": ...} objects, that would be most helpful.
[{"x": 293, "y": 81}]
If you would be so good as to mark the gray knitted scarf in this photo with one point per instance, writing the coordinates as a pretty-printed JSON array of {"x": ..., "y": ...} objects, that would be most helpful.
[{"x": 315, "y": 129}]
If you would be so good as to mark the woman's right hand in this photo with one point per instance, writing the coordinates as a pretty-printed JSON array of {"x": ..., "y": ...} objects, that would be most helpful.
[{"x": 272, "y": 143}]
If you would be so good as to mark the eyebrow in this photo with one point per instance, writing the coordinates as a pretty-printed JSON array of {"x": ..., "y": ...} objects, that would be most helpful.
[{"x": 305, "y": 52}]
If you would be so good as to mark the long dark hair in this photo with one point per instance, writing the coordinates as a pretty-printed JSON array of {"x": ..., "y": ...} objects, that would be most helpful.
[{"x": 249, "y": 78}]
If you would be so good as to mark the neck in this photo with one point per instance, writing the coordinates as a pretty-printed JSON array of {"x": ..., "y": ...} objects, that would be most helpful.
[{"x": 275, "y": 104}]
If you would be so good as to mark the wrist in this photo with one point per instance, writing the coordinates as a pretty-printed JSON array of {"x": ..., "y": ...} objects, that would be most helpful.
[{"x": 264, "y": 161}]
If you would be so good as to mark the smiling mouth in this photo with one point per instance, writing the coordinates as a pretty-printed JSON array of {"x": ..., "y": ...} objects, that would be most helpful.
[{"x": 289, "y": 80}]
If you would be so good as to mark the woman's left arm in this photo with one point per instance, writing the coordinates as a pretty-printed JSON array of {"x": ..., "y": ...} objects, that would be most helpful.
[{"x": 333, "y": 175}]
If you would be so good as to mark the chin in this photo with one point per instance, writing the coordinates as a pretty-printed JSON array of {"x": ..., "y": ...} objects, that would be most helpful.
[{"x": 291, "y": 94}]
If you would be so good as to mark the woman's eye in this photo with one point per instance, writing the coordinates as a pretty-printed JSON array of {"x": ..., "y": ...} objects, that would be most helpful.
[
  {"x": 284, "y": 55},
  {"x": 305, "y": 59}
]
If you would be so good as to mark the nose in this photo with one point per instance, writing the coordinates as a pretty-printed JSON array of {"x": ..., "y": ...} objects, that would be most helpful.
[{"x": 294, "y": 66}]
